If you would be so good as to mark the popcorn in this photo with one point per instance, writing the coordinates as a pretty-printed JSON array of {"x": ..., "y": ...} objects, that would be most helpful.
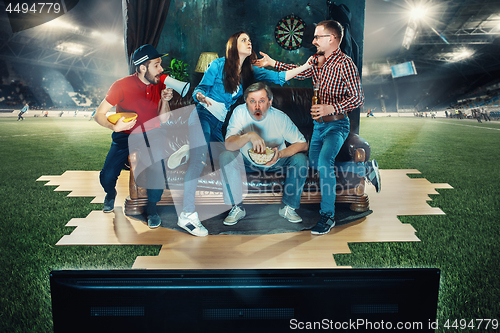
[{"x": 262, "y": 158}]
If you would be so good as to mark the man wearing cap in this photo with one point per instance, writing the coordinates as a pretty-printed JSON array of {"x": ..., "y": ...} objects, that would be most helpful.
[{"x": 145, "y": 94}]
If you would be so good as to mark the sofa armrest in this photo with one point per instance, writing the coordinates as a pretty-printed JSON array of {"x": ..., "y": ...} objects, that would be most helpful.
[{"x": 353, "y": 148}]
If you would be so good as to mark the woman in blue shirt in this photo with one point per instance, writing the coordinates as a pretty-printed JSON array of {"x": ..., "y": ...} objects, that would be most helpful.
[{"x": 220, "y": 87}]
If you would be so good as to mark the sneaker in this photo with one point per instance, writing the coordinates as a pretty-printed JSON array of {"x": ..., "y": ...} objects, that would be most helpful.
[
  {"x": 191, "y": 223},
  {"x": 235, "y": 214},
  {"x": 178, "y": 158},
  {"x": 109, "y": 204},
  {"x": 154, "y": 221},
  {"x": 324, "y": 225},
  {"x": 290, "y": 214},
  {"x": 373, "y": 175}
]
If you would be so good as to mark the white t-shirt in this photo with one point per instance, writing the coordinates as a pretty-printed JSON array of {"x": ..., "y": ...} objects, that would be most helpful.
[{"x": 275, "y": 129}]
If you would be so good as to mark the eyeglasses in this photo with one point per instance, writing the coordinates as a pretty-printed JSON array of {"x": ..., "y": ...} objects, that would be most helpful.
[{"x": 319, "y": 36}]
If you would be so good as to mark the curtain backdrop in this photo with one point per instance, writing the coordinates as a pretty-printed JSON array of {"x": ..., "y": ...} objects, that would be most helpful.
[{"x": 143, "y": 22}]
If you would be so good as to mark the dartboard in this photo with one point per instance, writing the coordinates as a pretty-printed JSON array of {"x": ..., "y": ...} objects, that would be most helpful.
[{"x": 289, "y": 32}]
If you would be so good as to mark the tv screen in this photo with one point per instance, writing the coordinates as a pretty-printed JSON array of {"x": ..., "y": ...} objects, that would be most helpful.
[
  {"x": 403, "y": 69},
  {"x": 244, "y": 300}
]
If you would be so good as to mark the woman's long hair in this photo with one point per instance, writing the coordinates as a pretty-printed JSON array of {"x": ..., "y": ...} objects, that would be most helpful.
[{"x": 230, "y": 73}]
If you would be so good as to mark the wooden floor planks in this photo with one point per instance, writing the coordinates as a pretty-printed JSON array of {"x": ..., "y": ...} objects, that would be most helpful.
[{"x": 400, "y": 195}]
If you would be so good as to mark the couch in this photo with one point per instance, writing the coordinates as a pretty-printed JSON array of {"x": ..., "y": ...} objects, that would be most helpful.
[{"x": 296, "y": 102}]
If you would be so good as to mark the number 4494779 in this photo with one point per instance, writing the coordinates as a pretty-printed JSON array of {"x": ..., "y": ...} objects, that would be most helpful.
[
  {"x": 471, "y": 324},
  {"x": 35, "y": 8}
]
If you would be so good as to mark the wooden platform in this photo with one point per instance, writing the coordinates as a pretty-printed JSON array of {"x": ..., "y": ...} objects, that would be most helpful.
[{"x": 400, "y": 195}]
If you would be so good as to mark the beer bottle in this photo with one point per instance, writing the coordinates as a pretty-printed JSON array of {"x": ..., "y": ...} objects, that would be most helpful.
[{"x": 315, "y": 99}]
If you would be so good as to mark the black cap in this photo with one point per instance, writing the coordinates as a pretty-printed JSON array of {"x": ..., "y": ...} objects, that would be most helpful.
[{"x": 144, "y": 53}]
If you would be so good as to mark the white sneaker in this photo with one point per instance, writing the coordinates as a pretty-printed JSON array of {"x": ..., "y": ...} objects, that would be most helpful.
[
  {"x": 235, "y": 214},
  {"x": 178, "y": 158},
  {"x": 191, "y": 223},
  {"x": 290, "y": 214}
]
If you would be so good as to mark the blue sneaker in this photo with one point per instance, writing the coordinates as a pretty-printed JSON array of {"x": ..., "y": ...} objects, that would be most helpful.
[
  {"x": 324, "y": 225},
  {"x": 154, "y": 221},
  {"x": 109, "y": 204},
  {"x": 373, "y": 175}
]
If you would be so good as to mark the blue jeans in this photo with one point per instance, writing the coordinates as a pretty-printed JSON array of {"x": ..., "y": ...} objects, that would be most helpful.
[
  {"x": 326, "y": 141},
  {"x": 294, "y": 166},
  {"x": 207, "y": 141},
  {"x": 352, "y": 167},
  {"x": 114, "y": 163}
]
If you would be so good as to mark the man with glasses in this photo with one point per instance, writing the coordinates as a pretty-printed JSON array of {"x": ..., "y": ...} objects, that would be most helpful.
[
  {"x": 340, "y": 91},
  {"x": 257, "y": 125}
]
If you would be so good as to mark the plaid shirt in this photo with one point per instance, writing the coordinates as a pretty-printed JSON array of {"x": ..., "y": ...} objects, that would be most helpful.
[{"x": 338, "y": 80}]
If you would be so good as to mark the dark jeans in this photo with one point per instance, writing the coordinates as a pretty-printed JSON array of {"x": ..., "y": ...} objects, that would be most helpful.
[
  {"x": 114, "y": 163},
  {"x": 295, "y": 168},
  {"x": 205, "y": 139}
]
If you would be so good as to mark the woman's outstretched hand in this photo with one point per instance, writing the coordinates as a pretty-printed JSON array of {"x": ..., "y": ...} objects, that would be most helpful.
[{"x": 265, "y": 61}]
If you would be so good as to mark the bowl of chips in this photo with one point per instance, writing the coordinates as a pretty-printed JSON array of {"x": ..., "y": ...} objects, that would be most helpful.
[
  {"x": 261, "y": 158},
  {"x": 129, "y": 116}
]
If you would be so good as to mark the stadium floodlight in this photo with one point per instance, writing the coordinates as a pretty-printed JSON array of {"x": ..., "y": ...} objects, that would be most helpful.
[
  {"x": 108, "y": 37},
  {"x": 409, "y": 34},
  {"x": 461, "y": 54},
  {"x": 59, "y": 24},
  {"x": 419, "y": 12},
  {"x": 68, "y": 47}
]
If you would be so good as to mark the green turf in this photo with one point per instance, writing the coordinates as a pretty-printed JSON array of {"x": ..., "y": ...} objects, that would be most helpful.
[
  {"x": 34, "y": 216},
  {"x": 463, "y": 243}
]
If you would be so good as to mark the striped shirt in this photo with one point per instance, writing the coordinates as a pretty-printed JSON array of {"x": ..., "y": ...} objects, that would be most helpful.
[{"x": 338, "y": 80}]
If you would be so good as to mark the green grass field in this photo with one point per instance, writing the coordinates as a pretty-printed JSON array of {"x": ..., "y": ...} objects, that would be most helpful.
[{"x": 463, "y": 243}]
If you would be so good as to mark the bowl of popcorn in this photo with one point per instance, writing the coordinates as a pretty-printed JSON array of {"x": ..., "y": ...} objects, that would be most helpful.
[{"x": 261, "y": 158}]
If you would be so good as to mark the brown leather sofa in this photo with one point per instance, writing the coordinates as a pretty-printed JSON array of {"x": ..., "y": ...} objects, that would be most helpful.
[{"x": 296, "y": 102}]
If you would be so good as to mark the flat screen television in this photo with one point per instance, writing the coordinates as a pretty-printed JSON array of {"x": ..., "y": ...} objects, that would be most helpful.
[{"x": 244, "y": 300}]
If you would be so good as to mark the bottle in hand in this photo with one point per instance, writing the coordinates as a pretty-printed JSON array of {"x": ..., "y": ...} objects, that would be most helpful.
[{"x": 315, "y": 98}]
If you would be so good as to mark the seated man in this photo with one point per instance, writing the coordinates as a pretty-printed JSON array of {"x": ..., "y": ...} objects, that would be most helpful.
[{"x": 256, "y": 124}]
